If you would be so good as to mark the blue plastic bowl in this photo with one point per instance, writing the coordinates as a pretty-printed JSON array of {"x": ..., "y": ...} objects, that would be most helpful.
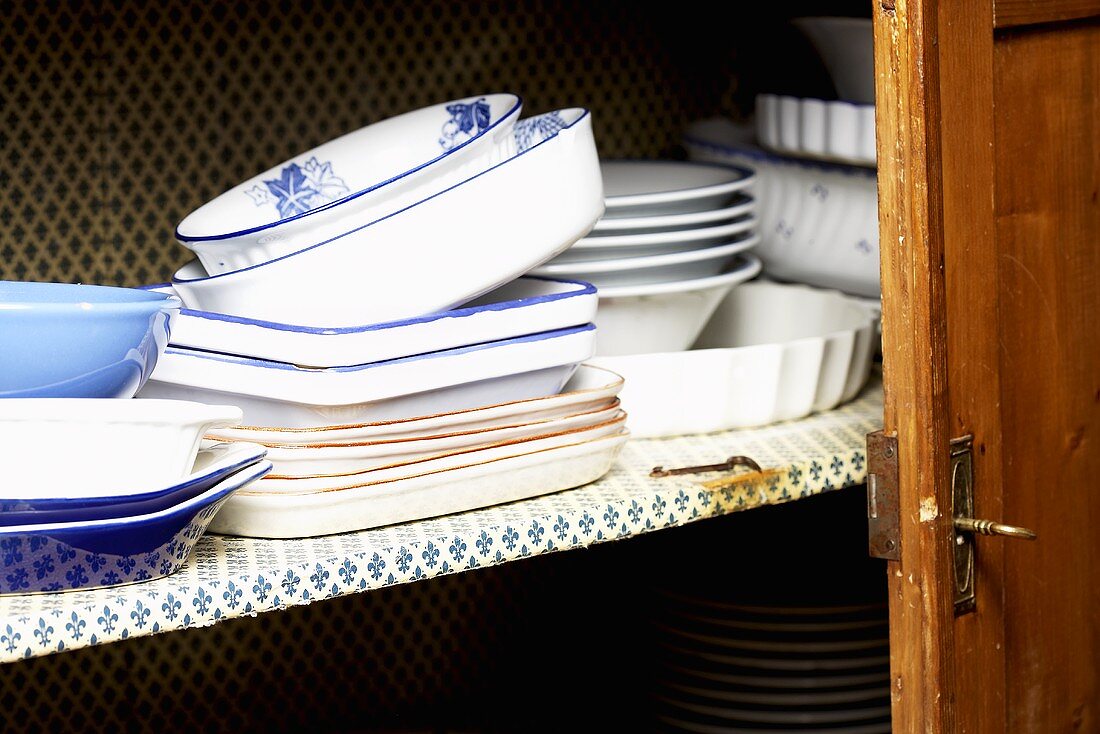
[{"x": 79, "y": 341}]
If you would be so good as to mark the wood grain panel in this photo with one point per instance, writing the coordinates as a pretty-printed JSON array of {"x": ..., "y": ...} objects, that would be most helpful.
[
  {"x": 1010, "y": 13},
  {"x": 1048, "y": 234},
  {"x": 973, "y": 310},
  {"x": 914, "y": 349}
]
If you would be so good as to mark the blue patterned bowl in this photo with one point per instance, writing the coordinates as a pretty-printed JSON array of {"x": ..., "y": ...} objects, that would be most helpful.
[
  {"x": 215, "y": 462},
  {"x": 79, "y": 341},
  {"x": 356, "y": 178},
  {"x": 97, "y": 553}
]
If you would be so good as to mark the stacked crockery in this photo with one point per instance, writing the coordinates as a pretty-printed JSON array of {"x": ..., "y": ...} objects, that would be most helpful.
[
  {"x": 324, "y": 315},
  {"x": 737, "y": 668},
  {"x": 101, "y": 490},
  {"x": 671, "y": 245},
  {"x": 815, "y": 164}
]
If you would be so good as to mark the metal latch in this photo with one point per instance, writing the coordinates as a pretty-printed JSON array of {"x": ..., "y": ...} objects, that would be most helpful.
[
  {"x": 883, "y": 512},
  {"x": 966, "y": 525}
]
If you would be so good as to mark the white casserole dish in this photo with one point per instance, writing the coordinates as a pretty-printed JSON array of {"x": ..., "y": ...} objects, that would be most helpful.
[
  {"x": 435, "y": 254},
  {"x": 282, "y": 395}
]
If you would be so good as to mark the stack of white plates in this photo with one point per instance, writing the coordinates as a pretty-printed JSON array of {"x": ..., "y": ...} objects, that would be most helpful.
[
  {"x": 738, "y": 668},
  {"x": 673, "y": 241},
  {"x": 338, "y": 478}
]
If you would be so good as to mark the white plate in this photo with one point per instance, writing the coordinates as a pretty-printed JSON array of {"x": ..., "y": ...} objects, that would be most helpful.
[
  {"x": 433, "y": 255},
  {"x": 751, "y": 647},
  {"x": 797, "y": 668},
  {"x": 842, "y": 132},
  {"x": 791, "y": 718},
  {"x": 356, "y": 178},
  {"x": 93, "y": 446},
  {"x": 282, "y": 395},
  {"x": 819, "y": 221},
  {"x": 506, "y": 479},
  {"x": 739, "y": 206},
  {"x": 634, "y": 188},
  {"x": 782, "y": 698},
  {"x": 524, "y": 306},
  {"x": 655, "y": 243},
  {"x": 403, "y": 469},
  {"x": 328, "y": 459},
  {"x": 769, "y": 353},
  {"x": 673, "y": 313},
  {"x": 698, "y": 728},
  {"x": 673, "y": 267},
  {"x": 590, "y": 388}
]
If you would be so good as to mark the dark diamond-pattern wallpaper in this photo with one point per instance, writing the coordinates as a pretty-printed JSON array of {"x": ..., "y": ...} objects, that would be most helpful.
[{"x": 121, "y": 117}]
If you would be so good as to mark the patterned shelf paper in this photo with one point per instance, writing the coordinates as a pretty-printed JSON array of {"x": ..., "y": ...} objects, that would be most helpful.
[{"x": 232, "y": 577}]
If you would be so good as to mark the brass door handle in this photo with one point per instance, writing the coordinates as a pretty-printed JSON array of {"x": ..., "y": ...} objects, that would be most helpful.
[{"x": 988, "y": 527}]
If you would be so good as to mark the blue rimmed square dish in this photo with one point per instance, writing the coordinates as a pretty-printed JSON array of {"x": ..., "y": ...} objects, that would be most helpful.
[{"x": 112, "y": 552}]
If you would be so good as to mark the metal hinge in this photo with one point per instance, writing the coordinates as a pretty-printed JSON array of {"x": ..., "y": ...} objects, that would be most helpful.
[{"x": 883, "y": 512}]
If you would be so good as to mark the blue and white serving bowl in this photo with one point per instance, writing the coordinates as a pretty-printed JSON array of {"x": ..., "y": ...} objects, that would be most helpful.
[
  {"x": 351, "y": 181},
  {"x": 435, "y": 254},
  {"x": 98, "y": 553},
  {"x": 215, "y": 462},
  {"x": 59, "y": 340}
]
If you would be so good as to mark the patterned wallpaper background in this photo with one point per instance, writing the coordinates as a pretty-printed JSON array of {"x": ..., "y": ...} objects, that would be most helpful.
[{"x": 119, "y": 117}]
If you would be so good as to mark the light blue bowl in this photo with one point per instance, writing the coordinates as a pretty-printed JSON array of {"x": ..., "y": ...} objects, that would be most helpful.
[{"x": 79, "y": 341}]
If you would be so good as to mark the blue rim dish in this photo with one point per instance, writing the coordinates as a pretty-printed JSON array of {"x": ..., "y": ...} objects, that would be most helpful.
[
  {"x": 84, "y": 555},
  {"x": 350, "y": 197},
  {"x": 268, "y": 364},
  {"x": 583, "y": 289},
  {"x": 584, "y": 114},
  {"x": 759, "y": 154},
  {"x": 37, "y": 511}
]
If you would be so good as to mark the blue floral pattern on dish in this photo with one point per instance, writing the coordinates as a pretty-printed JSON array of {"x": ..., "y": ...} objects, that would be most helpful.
[
  {"x": 534, "y": 130},
  {"x": 468, "y": 120},
  {"x": 299, "y": 189}
]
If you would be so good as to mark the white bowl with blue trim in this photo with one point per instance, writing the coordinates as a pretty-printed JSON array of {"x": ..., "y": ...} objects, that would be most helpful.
[
  {"x": 527, "y": 305},
  {"x": 436, "y": 254},
  {"x": 819, "y": 221},
  {"x": 350, "y": 181},
  {"x": 283, "y": 395}
]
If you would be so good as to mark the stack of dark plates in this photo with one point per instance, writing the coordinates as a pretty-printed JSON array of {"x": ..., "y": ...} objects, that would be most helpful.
[{"x": 730, "y": 667}]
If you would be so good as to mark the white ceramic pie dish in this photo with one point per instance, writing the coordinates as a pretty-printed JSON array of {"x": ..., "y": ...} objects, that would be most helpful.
[
  {"x": 282, "y": 395},
  {"x": 350, "y": 181},
  {"x": 321, "y": 459},
  {"x": 479, "y": 484},
  {"x": 590, "y": 388},
  {"x": 740, "y": 205},
  {"x": 672, "y": 313},
  {"x": 635, "y": 188},
  {"x": 656, "y": 243},
  {"x": 435, "y": 254},
  {"x": 527, "y": 305},
  {"x": 91, "y": 446},
  {"x": 819, "y": 221},
  {"x": 843, "y": 132},
  {"x": 769, "y": 353},
  {"x": 673, "y": 266}
]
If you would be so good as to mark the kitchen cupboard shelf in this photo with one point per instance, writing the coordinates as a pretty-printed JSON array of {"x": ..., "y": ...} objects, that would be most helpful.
[{"x": 229, "y": 577}]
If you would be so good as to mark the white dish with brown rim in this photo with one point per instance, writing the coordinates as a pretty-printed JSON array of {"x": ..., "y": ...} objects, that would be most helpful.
[
  {"x": 482, "y": 482},
  {"x": 589, "y": 388},
  {"x": 322, "y": 459}
]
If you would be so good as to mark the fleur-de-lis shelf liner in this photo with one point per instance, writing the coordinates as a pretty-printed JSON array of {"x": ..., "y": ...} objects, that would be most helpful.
[{"x": 229, "y": 577}]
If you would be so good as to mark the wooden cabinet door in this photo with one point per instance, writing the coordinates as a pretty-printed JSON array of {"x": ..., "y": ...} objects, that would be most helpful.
[{"x": 989, "y": 176}]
